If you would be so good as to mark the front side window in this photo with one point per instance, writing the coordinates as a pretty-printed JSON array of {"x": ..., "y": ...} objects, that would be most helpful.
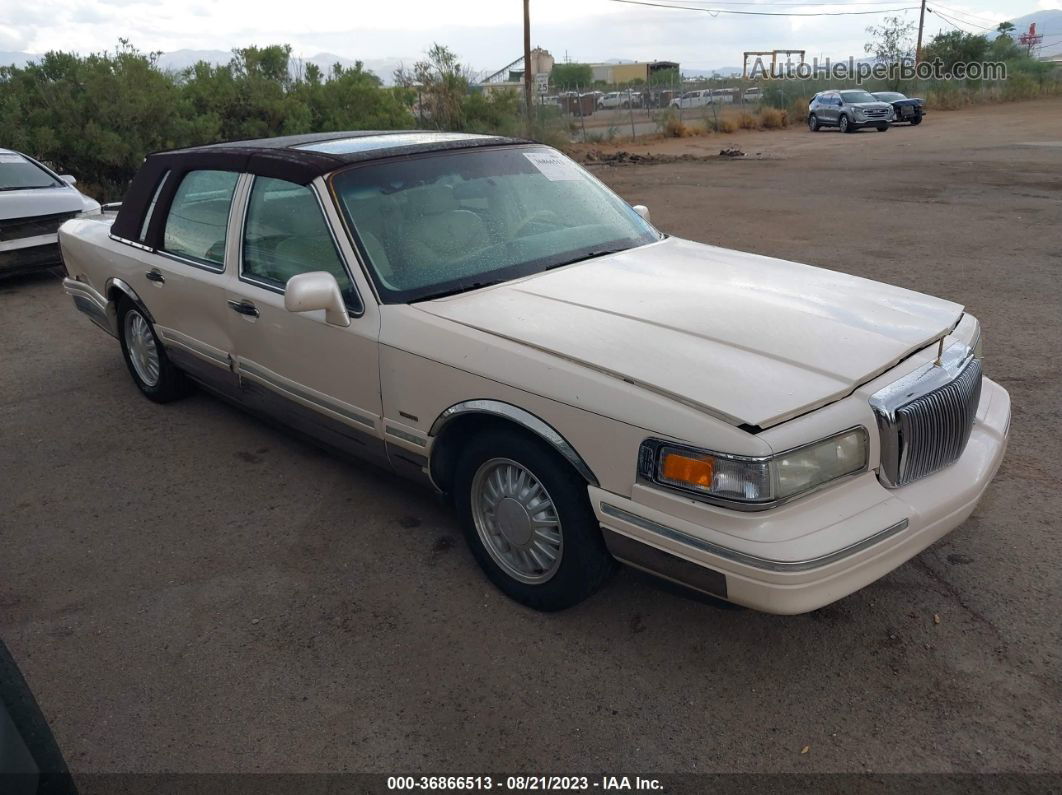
[
  {"x": 453, "y": 221},
  {"x": 285, "y": 234},
  {"x": 199, "y": 217}
]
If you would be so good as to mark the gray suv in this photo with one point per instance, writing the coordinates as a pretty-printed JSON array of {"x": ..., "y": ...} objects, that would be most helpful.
[{"x": 848, "y": 111}]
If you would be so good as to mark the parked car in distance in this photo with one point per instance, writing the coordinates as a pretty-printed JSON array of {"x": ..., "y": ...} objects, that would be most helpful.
[
  {"x": 909, "y": 109},
  {"x": 34, "y": 202},
  {"x": 483, "y": 315},
  {"x": 754, "y": 94},
  {"x": 724, "y": 96},
  {"x": 848, "y": 111},
  {"x": 620, "y": 99},
  {"x": 692, "y": 99}
]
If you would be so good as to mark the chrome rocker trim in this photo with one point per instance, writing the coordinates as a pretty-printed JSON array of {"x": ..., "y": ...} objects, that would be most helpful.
[
  {"x": 744, "y": 558},
  {"x": 94, "y": 305}
]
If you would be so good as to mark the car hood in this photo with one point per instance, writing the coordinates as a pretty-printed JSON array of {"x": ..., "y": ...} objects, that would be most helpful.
[
  {"x": 750, "y": 339},
  {"x": 32, "y": 202}
]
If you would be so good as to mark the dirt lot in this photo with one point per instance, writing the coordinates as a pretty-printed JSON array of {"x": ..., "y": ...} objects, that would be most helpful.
[{"x": 188, "y": 589}]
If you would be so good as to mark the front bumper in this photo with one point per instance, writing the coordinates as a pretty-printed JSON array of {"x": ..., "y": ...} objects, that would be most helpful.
[
  {"x": 849, "y": 535},
  {"x": 28, "y": 254}
]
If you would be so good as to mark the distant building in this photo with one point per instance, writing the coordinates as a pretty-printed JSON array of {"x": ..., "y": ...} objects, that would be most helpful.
[
  {"x": 511, "y": 77},
  {"x": 620, "y": 73}
]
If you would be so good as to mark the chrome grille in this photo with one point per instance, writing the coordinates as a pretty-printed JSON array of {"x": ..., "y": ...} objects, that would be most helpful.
[{"x": 925, "y": 419}]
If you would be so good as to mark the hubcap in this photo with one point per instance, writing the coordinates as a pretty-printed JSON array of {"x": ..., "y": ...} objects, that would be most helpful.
[
  {"x": 517, "y": 521},
  {"x": 143, "y": 352}
]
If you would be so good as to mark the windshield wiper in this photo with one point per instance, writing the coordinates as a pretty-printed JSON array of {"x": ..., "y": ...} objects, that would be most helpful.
[
  {"x": 455, "y": 290},
  {"x": 590, "y": 255}
]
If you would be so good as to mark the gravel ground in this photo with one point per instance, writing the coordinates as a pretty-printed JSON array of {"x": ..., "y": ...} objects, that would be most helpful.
[{"x": 188, "y": 589}]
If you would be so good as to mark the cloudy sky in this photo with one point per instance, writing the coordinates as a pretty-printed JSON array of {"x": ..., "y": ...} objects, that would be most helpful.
[{"x": 485, "y": 33}]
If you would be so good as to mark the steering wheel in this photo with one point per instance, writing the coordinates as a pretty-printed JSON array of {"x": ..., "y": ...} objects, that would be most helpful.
[{"x": 547, "y": 216}]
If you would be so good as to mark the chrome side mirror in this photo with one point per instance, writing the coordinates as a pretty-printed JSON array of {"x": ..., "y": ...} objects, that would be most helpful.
[
  {"x": 643, "y": 211},
  {"x": 69, "y": 179},
  {"x": 307, "y": 292}
]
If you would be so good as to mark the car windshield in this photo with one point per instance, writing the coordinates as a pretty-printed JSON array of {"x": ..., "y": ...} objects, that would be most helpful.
[
  {"x": 854, "y": 97},
  {"x": 442, "y": 223},
  {"x": 18, "y": 173},
  {"x": 889, "y": 96}
]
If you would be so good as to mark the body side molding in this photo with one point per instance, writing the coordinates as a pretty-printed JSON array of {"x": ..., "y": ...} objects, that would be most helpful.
[{"x": 522, "y": 417}]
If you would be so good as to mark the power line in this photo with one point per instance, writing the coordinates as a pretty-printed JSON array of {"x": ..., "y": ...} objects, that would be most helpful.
[
  {"x": 956, "y": 20},
  {"x": 714, "y": 11},
  {"x": 965, "y": 16}
]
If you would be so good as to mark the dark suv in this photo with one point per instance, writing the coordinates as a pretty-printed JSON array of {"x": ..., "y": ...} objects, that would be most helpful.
[{"x": 848, "y": 111}]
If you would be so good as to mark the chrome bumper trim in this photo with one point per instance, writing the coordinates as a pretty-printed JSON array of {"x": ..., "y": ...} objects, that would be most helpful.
[
  {"x": 94, "y": 305},
  {"x": 755, "y": 561}
]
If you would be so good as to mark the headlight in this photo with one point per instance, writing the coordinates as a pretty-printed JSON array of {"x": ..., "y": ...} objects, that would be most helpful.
[
  {"x": 747, "y": 482},
  {"x": 97, "y": 210}
]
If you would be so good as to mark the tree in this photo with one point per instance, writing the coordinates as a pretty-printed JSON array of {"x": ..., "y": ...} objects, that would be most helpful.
[
  {"x": 568, "y": 76},
  {"x": 893, "y": 40},
  {"x": 1005, "y": 28},
  {"x": 956, "y": 46}
]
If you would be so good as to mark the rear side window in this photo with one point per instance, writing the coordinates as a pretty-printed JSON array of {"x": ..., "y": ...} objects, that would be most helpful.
[
  {"x": 285, "y": 234},
  {"x": 199, "y": 216}
]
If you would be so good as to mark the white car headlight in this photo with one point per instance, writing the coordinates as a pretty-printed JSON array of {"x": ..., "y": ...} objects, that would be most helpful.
[
  {"x": 752, "y": 483},
  {"x": 97, "y": 210}
]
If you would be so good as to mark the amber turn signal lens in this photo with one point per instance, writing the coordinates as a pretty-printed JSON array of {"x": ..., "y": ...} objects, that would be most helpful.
[{"x": 696, "y": 471}]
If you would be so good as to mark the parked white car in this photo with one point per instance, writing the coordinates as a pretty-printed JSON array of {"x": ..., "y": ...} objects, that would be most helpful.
[
  {"x": 484, "y": 315},
  {"x": 620, "y": 99},
  {"x": 34, "y": 202},
  {"x": 754, "y": 94},
  {"x": 692, "y": 99}
]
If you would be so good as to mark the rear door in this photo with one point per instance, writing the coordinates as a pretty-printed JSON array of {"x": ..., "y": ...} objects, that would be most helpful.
[
  {"x": 320, "y": 378},
  {"x": 185, "y": 281}
]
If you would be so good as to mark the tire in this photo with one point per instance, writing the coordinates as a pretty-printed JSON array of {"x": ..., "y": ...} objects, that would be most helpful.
[
  {"x": 145, "y": 357},
  {"x": 813, "y": 123},
  {"x": 844, "y": 125},
  {"x": 496, "y": 525},
  {"x": 883, "y": 128},
  {"x": 626, "y": 105},
  {"x": 916, "y": 120}
]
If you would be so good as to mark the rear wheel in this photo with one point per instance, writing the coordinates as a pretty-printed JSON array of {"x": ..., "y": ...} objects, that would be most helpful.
[
  {"x": 145, "y": 357},
  {"x": 528, "y": 521},
  {"x": 813, "y": 123}
]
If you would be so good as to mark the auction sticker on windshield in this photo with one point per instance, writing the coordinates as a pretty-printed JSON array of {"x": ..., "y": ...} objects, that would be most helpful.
[{"x": 553, "y": 167}]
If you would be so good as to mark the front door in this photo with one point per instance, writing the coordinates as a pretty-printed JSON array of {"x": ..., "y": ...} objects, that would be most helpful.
[{"x": 320, "y": 378}]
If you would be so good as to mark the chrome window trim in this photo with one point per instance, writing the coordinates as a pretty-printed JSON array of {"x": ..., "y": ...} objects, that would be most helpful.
[
  {"x": 132, "y": 243},
  {"x": 755, "y": 561},
  {"x": 352, "y": 311},
  {"x": 521, "y": 417},
  {"x": 146, "y": 223},
  {"x": 650, "y": 448},
  {"x": 201, "y": 264}
]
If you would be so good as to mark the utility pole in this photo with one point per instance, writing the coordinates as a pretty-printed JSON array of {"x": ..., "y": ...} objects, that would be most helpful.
[
  {"x": 921, "y": 24},
  {"x": 527, "y": 55}
]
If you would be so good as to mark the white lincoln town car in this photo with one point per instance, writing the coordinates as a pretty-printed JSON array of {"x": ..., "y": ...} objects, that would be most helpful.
[{"x": 483, "y": 314}]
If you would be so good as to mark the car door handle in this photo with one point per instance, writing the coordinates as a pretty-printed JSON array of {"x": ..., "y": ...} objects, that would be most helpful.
[
  {"x": 243, "y": 308},
  {"x": 155, "y": 276}
]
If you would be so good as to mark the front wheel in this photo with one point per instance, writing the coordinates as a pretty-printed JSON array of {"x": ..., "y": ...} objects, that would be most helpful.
[
  {"x": 883, "y": 128},
  {"x": 145, "y": 357},
  {"x": 528, "y": 521},
  {"x": 844, "y": 125},
  {"x": 813, "y": 123},
  {"x": 916, "y": 120}
]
